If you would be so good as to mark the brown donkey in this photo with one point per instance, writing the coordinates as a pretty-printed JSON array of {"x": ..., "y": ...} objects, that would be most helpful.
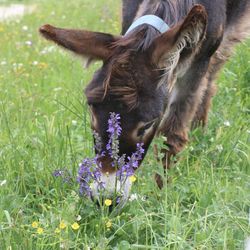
[{"x": 159, "y": 74}]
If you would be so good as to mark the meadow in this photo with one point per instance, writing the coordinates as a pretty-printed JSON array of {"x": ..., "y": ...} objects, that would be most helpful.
[{"x": 44, "y": 126}]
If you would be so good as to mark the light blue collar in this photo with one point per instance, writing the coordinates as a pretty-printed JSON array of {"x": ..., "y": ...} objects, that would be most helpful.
[{"x": 152, "y": 20}]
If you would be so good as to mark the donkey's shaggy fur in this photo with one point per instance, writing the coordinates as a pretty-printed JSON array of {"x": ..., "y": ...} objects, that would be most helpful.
[{"x": 158, "y": 83}]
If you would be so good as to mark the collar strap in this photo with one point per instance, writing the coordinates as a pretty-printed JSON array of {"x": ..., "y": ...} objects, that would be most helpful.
[{"x": 152, "y": 20}]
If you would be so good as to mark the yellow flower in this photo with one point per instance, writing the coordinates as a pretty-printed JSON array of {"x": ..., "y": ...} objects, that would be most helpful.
[
  {"x": 132, "y": 178},
  {"x": 109, "y": 224},
  {"x": 42, "y": 65},
  {"x": 75, "y": 226},
  {"x": 39, "y": 230},
  {"x": 35, "y": 224},
  {"x": 57, "y": 230},
  {"x": 62, "y": 225},
  {"x": 108, "y": 202}
]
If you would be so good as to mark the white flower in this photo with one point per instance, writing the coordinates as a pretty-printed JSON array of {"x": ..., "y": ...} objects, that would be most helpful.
[
  {"x": 57, "y": 89},
  {"x": 29, "y": 43},
  {"x": 74, "y": 122},
  {"x": 219, "y": 148},
  {"x": 62, "y": 245},
  {"x": 3, "y": 63},
  {"x": 227, "y": 123},
  {"x": 25, "y": 28},
  {"x": 35, "y": 63},
  {"x": 211, "y": 139},
  {"x": 78, "y": 218},
  {"x": 133, "y": 197},
  {"x": 48, "y": 49},
  {"x": 2, "y": 183},
  {"x": 137, "y": 197}
]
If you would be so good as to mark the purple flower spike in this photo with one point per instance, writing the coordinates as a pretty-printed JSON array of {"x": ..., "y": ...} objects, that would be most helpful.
[
  {"x": 58, "y": 173},
  {"x": 64, "y": 174},
  {"x": 98, "y": 142},
  {"x": 114, "y": 130},
  {"x": 88, "y": 173},
  {"x": 132, "y": 163},
  {"x": 90, "y": 170}
]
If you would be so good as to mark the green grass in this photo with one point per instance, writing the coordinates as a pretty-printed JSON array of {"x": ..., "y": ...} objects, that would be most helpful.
[{"x": 206, "y": 204}]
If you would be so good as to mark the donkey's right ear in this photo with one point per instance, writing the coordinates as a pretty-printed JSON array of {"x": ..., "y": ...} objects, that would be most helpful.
[
  {"x": 93, "y": 45},
  {"x": 177, "y": 46}
]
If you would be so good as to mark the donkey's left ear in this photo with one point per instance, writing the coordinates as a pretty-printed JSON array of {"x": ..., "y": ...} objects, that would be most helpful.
[
  {"x": 180, "y": 43},
  {"x": 91, "y": 45}
]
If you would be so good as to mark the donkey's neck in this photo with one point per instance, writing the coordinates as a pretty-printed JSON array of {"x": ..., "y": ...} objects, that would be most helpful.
[{"x": 171, "y": 11}]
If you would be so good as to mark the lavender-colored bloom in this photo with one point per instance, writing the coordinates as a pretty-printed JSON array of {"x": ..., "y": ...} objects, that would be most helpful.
[
  {"x": 98, "y": 142},
  {"x": 90, "y": 169},
  {"x": 114, "y": 130},
  {"x": 114, "y": 127},
  {"x": 128, "y": 168},
  {"x": 57, "y": 173},
  {"x": 64, "y": 174},
  {"x": 89, "y": 172}
]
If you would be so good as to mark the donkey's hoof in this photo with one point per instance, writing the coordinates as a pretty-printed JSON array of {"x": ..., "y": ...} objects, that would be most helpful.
[{"x": 159, "y": 181}]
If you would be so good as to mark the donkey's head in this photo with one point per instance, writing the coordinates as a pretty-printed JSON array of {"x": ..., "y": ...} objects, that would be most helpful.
[{"x": 138, "y": 72}]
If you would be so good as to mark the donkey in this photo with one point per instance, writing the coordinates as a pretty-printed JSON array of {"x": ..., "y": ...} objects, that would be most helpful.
[{"x": 159, "y": 73}]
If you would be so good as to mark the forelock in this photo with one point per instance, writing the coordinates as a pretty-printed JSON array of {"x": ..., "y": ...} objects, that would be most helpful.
[{"x": 120, "y": 83}]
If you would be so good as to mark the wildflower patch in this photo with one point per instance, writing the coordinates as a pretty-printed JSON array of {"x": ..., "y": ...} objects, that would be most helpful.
[{"x": 90, "y": 169}]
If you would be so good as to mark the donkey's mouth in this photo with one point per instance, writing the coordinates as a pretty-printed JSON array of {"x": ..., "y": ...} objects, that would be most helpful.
[
  {"x": 105, "y": 162},
  {"x": 112, "y": 188}
]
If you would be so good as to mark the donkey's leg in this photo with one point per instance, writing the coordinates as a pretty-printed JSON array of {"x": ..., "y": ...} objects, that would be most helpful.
[
  {"x": 233, "y": 35},
  {"x": 183, "y": 103},
  {"x": 201, "y": 115},
  {"x": 216, "y": 63}
]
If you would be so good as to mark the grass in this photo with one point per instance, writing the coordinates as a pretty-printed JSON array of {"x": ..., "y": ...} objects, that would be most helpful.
[{"x": 44, "y": 124}]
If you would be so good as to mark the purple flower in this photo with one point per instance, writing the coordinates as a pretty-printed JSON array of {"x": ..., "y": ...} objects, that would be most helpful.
[
  {"x": 98, "y": 142},
  {"x": 58, "y": 173},
  {"x": 90, "y": 169},
  {"x": 89, "y": 172},
  {"x": 132, "y": 163},
  {"x": 114, "y": 130},
  {"x": 64, "y": 174}
]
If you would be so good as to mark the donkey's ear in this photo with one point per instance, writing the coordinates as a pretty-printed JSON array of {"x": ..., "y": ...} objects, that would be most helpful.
[
  {"x": 179, "y": 44},
  {"x": 93, "y": 45}
]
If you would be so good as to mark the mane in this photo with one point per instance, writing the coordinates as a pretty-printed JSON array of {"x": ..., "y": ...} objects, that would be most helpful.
[
  {"x": 171, "y": 11},
  {"x": 138, "y": 40}
]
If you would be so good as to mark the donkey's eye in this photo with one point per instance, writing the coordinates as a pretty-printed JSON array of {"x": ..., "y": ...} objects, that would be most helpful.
[
  {"x": 92, "y": 105},
  {"x": 147, "y": 126}
]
